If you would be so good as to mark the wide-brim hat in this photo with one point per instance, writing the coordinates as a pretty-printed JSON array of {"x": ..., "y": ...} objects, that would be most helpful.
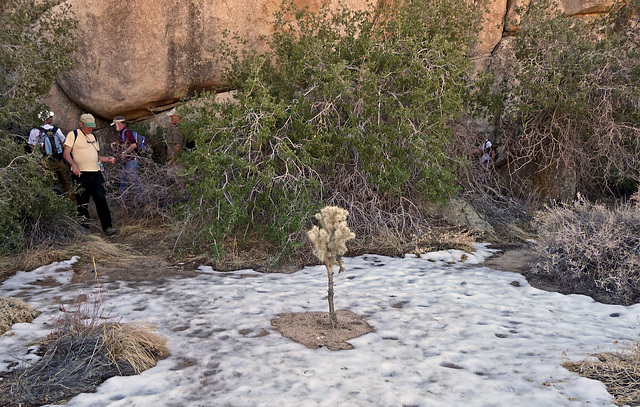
[{"x": 118, "y": 119}]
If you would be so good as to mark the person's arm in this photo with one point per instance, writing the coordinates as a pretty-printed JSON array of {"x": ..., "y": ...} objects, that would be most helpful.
[
  {"x": 129, "y": 149},
  {"x": 67, "y": 157},
  {"x": 110, "y": 159}
]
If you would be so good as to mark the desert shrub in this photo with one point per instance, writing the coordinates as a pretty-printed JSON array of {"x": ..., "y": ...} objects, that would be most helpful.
[
  {"x": 161, "y": 187},
  {"x": 347, "y": 108},
  {"x": 589, "y": 248},
  {"x": 13, "y": 311},
  {"x": 31, "y": 212},
  {"x": 572, "y": 102},
  {"x": 37, "y": 41},
  {"x": 509, "y": 212}
]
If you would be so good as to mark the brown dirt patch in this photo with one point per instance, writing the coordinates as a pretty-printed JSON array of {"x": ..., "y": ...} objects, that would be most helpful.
[
  {"x": 520, "y": 258},
  {"x": 313, "y": 329},
  {"x": 516, "y": 258}
]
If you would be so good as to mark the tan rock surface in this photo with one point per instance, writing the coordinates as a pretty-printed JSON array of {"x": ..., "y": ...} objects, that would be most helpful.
[
  {"x": 569, "y": 7},
  {"x": 139, "y": 54}
]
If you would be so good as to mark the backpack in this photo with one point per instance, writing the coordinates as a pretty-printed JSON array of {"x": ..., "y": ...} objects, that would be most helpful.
[
  {"x": 50, "y": 144},
  {"x": 141, "y": 141}
]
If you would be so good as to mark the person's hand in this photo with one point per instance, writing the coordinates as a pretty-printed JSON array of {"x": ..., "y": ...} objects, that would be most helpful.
[
  {"x": 76, "y": 171},
  {"x": 112, "y": 160}
]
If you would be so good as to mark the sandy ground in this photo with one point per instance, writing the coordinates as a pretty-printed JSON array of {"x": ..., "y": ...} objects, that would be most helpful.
[{"x": 313, "y": 329}]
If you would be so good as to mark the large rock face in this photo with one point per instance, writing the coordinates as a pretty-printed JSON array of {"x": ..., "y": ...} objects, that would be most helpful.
[
  {"x": 136, "y": 57},
  {"x": 568, "y": 7}
]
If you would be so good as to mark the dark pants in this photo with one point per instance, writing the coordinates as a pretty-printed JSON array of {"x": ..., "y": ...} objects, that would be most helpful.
[
  {"x": 62, "y": 170},
  {"x": 91, "y": 186}
]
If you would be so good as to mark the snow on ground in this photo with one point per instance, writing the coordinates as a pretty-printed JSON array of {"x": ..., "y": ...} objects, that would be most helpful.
[{"x": 464, "y": 335}]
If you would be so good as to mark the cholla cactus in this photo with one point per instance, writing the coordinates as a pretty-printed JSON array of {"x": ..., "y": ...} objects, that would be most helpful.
[{"x": 330, "y": 241}]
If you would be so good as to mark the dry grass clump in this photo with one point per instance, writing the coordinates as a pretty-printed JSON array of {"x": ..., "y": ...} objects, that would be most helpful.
[
  {"x": 589, "y": 248},
  {"x": 87, "y": 247},
  {"x": 619, "y": 371},
  {"x": 14, "y": 311},
  {"x": 75, "y": 362},
  {"x": 136, "y": 345},
  {"x": 84, "y": 349},
  {"x": 444, "y": 239}
]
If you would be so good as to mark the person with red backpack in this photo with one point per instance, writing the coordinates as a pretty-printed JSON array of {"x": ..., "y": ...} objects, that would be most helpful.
[
  {"x": 127, "y": 149},
  {"x": 50, "y": 139}
]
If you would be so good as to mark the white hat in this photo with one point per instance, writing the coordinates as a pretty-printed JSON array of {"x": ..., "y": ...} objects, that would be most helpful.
[
  {"x": 172, "y": 112},
  {"x": 118, "y": 119},
  {"x": 45, "y": 114}
]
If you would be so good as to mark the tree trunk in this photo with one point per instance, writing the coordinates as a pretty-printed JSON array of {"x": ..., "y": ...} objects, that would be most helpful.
[{"x": 332, "y": 313}]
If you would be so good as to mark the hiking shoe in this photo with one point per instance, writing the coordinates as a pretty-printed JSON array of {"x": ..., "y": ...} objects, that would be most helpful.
[{"x": 110, "y": 231}]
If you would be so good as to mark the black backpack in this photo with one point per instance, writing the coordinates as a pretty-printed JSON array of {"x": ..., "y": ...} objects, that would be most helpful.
[{"x": 50, "y": 144}]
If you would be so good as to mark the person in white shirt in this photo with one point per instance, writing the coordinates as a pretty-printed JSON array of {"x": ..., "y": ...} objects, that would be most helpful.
[
  {"x": 50, "y": 140},
  {"x": 486, "y": 152}
]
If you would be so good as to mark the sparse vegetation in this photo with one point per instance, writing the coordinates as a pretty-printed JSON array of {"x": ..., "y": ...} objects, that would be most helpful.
[
  {"x": 85, "y": 348},
  {"x": 617, "y": 370},
  {"x": 592, "y": 249}
]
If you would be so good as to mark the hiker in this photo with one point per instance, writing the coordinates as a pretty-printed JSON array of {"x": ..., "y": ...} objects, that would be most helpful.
[
  {"x": 81, "y": 150},
  {"x": 50, "y": 139},
  {"x": 178, "y": 138},
  {"x": 485, "y": 149},
  {"x": 126, "y": 149}
]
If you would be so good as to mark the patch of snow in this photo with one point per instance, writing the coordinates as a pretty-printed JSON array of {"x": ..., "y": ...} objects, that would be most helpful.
[{"x": 466, "y": 335}]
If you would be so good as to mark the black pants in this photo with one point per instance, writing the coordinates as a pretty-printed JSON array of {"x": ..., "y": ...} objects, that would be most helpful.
[{"x": 91, "y": 186}]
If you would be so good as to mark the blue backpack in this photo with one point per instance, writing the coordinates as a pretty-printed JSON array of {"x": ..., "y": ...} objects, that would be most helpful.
[
  {"x": 50, "y": 144},
  {"x": 141, "y": 141}
]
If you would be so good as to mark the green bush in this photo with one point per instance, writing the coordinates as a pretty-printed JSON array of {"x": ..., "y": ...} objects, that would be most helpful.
[
  {"x": 30, "y": 209},
  {"x": 36, "y": 42},
  {"x": 572, "y": 103},
  {"x": 348, "y": 108}
]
